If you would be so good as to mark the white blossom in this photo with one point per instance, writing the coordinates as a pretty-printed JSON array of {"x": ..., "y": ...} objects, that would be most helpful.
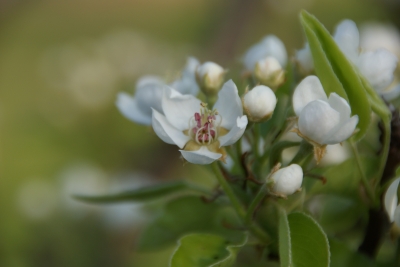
[
  {"x": 321, "y": 121},
  {"x": 149, "y": 91},
  {"x": 259, "y": 103},
  {"x": 197, "y": 130},
  {"x": 287, "y": 181},
  {"x": 210, "y": 77},
  {"x": 269, "y": 46},
  {"x": 376, "y": 66},
  {"x": 269, "y": 72},
  {"x": 392, "y": 206}
]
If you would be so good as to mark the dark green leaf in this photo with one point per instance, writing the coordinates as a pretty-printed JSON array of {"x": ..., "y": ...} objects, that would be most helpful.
[
  {"x": 188, "y": 215},
  {"x": 139, "y": 195},
  {"x": 309, "y": 244},
  {"x": 204, "y": 250},
  {"x": 336, "y": 72}
]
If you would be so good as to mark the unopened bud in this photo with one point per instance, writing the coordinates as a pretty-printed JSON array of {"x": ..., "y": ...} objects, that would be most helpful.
[
  {"x": 287, "y": 181},
  {"x": 269, "y": 72},
  {"x": 210, "y": 77},
  {"x": 259, "y": 103}
]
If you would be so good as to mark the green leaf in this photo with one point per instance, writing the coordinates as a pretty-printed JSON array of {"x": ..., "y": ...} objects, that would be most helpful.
[
  {"x": 309, "y": 244},
  {"x": 336, "y": 72},
  {"x": 185, "y": 215},
  {"x": 285, "y": 250},
  {"x": 204, "y": 250},
  {"x": 141, "y": 194},
  {"x": 342, "y": 256}
]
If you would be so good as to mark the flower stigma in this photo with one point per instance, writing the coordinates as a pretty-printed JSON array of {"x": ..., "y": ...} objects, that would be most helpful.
[{"x": 203, "y": 127}]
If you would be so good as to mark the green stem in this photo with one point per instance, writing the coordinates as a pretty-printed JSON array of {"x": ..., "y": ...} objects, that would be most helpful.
[
  {"x": 256, "y": 230},
  {"x": 254, "y": 204},
  {"x": 364, "y": 179},
  {"x": 305, "y": 150}
]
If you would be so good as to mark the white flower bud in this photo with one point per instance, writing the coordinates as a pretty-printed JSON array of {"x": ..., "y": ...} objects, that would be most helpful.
[
  {"x": 287, "y": 181},
  {"x": 269, "y": 46},
  {"x": 391, "y": 202},
  {"x": 259, "y": 103},
  {"x": 269, "y": 72},
  {"x": 304, "y": 60},
  {"x": 210, "y": 77}
]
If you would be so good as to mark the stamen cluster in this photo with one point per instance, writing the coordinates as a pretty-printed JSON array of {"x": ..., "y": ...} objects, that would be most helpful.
[{"x": 203, "y": 127}]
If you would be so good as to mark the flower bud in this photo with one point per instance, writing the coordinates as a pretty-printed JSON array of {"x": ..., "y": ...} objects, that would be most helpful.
[
  {"x": 269, "y": 72},
  {"x": 210, "y": 77},
  {"x": 259, "y": 103},
  {"x": 287, "y": 181}
]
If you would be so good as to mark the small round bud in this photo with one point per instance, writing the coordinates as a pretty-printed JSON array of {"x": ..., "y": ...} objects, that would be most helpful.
[
  {"x": 269, "y": 72},
  {"x": 287, "y": 181},
  {"x": 259, "y": 103},
  {"x": 210, "y": 77}
]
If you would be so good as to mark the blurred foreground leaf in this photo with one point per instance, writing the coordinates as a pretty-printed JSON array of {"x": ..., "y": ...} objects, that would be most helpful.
[
  {"x": 142, "y": 194},
  {"x": 302, "y": 242},
  {"x": 336, "y": 72},
  {"x": 204, "y": 250},
  {"x": 189, "y": 215}
]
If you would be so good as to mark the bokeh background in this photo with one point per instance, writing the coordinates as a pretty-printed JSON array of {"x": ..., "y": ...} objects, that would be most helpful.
[{"x": 62, "y": 64}]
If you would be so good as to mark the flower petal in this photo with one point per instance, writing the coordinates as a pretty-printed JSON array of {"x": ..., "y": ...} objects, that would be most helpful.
[
  {"x": 178, "y": 108},
  {"x": 342, "y": 131},
  {"x": 128, "y": 106},
  {"x": 317, "y": 119},
  {"x": 378, "y": 67},
  {"x": 348, "y": 39},
  {"x": 304, "y": 58},
  {"x": 201, "y": 156},
  {"x": 229, "y": 105},
  {"x": 391, "y": 199},
  {"x": 235, "y": 133},
  {"x": 396, "y": 217},
  {"x": 308, "y": 90},
  {"x": 168, "y": 133},
  {"x": 340, "y": 105},
  {"x": 187, "y": 84}
]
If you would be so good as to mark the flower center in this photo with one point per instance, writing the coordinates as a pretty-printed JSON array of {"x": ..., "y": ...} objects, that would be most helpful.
[{"x": 204, "y": 126}]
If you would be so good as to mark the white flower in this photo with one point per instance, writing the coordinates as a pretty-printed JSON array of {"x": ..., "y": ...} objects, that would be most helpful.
[
  {"x": 322, "y": 121},
  {"x": 149, "y": 91},
  {"x": 259, "y": 103},
  {"x": 197, "y": 130},
  {"x": 210, "y": 77},
  {"x": 269, "y": 72},
  {"x": 391, "y": 202},
  {"x": 374, "y": 35},
  {"x": 376, "y": 66},
  {"x": 287, "y": 181},
  {"x": 269, "y": 46}
]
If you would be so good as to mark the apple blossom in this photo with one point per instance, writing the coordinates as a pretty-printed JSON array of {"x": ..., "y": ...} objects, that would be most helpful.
[
  {"x": 321, "y": 121},
  {"x": 259, "y": 103},
  {"x": 210, "y": 77},
  {"x": 286, "y": 181},
  {"x": 269, "y": 72},
  {"x": 198, "y": 131},
  {"x": 391, "y": 202},
  {"x": 269, "y": 46}
]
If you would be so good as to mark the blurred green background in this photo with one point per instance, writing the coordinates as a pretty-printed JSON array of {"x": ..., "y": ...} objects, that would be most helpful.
[{"x": 61, "y": 66}]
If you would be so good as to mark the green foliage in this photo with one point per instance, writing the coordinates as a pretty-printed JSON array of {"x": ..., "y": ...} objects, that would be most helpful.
[
  {"x": 302, "y": 242},
  {"x": 204, "y": 250},
  {"x": 140, "y": 195},
  {"x": 185, "y": 215},
  {"x": 336, "y": 72}
]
